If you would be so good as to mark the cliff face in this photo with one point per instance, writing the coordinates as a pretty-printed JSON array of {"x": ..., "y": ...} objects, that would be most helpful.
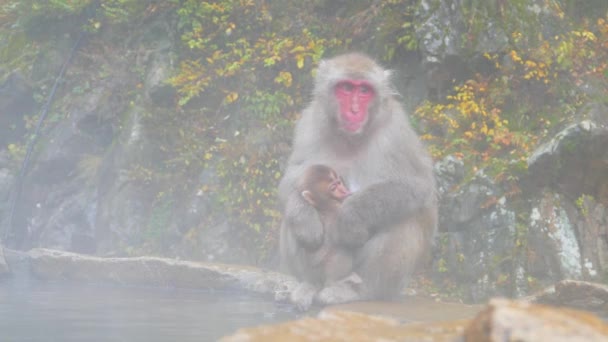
[
  {"x": 554, "y": 229},
  {"x": 122, "y": 165},
  {"x": 117, "y": 167}
]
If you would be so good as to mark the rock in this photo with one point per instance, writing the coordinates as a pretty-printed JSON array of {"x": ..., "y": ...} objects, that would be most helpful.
[
  {"x": 6, "y": 185},
  {"x": 16, "y": 101},
  {"x": 442, "y": 33},
  {"x": 158, "y": 57},
  {"x": 574, "y": 162},
  {"x": 224, "y": 242},
  {"x": 444, "y": 40},
  {"x": 59, "y": 195},
  {"x": 568, "y": 225},
  {"x": 159, "y": 91},
  {"x": 348, "y": 326},
  {"x": 458, "y": 209},
  {"x": 554, "y": 252},
  {"x": 449, "y": 173},
  {"x": 151, "y": 271},
  {"x": 591, "y": 222},
  {"x": 413, "y": 309},
  {"x": 480, "y": 226},
  {"x": 576, "y": 294},
  {"x": 500, "y": 320},
  {"x": 505, "y": 320},
  {"x": 122, "y": 207},
  {"x": 4, "y": 270}
]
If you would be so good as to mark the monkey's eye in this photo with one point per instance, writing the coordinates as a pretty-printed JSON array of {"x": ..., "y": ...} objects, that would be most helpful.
[
  {"x": 345, "y": 86},
  {"x": 365, "y": 89}
]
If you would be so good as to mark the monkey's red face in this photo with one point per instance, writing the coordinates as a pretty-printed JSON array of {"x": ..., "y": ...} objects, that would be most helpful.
[
  {"x": 354, "y": 99},
  {"x": 337, "y": 188}
]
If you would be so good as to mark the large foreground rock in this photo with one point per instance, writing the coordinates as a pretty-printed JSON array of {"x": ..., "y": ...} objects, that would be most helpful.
[
  {"x": 504, "y": 320},
  {"x": 501, "y": 320},
  {"x": 349, "y": 326}
]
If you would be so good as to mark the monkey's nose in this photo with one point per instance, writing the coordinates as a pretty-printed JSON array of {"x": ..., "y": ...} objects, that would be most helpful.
[{"x": 354, "y": 108}]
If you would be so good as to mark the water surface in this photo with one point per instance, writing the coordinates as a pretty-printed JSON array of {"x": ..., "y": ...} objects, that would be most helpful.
[{"x": 32, "y": 310}]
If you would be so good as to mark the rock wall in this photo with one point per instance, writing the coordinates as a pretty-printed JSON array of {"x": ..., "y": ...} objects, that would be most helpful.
[
  {"x": 88, "y": 189},
  {"x": 494, "y": 244}
]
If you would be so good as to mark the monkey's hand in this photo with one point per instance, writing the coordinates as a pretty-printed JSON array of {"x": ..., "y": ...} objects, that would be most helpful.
[
  {"x": 383, "y": 204},
  {"x": 376, "y": 207},
  {"x": 304, "y": 223},
  {"x": 303, "y": 296}
]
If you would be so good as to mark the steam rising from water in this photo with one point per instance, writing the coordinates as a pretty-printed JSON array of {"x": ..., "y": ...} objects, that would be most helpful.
[{"x": 31, "y": 310}]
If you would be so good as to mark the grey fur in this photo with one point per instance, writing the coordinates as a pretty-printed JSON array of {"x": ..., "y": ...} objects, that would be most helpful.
[{"x": 390, "y": 221}]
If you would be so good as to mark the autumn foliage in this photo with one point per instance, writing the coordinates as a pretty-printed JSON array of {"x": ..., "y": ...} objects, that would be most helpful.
[
  {"x": 243, "y": 69},
  {"x": 494, "y": 120}
]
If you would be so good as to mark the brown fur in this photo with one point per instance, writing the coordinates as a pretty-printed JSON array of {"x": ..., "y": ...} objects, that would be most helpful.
[{"x": 329, "y": 262}]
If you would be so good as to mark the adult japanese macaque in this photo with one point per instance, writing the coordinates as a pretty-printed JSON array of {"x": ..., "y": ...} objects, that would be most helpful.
[
  {"x": 355, "y": 125},
  {"x": 324, "y": 190}
]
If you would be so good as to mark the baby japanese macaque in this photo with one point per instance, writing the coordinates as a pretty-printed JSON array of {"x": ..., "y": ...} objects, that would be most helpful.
[{"x": 325, "y": 191}]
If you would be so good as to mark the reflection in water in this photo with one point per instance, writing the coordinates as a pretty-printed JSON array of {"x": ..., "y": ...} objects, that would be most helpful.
[{"x": 35, "y": 311}]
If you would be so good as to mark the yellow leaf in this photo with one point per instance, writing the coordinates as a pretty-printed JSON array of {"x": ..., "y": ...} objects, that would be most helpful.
[
  {"x": 300, "y": 61},
  {"x": 231, "y": 97},
  {"x": 285, "y": 78},
  {"x": 298, "y": 48}
]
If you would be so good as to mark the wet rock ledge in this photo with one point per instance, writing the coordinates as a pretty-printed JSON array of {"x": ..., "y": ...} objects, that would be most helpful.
[
  {"x": 4, "y": 270},
  {"x": 50, "y": 264}
]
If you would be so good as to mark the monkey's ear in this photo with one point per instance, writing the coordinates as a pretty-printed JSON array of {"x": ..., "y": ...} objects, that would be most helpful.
[{"x": 307, "y": 195}]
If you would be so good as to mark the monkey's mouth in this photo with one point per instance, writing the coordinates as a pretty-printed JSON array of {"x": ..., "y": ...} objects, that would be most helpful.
[{"x": 352, "y": 126}]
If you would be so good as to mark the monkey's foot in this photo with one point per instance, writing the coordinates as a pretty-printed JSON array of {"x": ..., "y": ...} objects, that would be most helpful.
[
  {"x": 342, "y": 291},
  {"x": 303, "y": 296},
  {"x": 353, "y": 279}
]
